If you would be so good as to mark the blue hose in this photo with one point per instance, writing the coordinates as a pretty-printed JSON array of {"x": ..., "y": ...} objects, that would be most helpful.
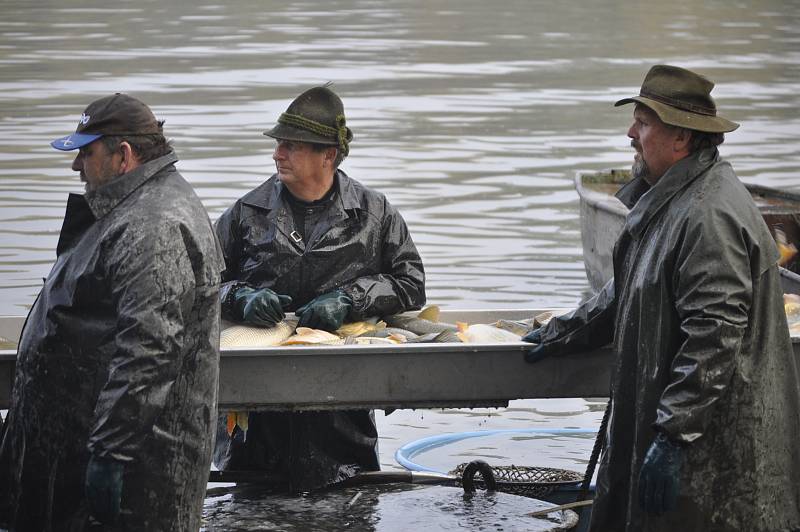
[{"x": 408, "y": 451}]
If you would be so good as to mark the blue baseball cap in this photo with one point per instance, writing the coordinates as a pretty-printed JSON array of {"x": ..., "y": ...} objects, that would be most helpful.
[{"x": 118, "y": 114}]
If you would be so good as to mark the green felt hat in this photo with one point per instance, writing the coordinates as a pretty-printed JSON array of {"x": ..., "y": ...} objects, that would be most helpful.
[
  {"x": 316, "y": 116},
  {"x": 681, "y": 98}
]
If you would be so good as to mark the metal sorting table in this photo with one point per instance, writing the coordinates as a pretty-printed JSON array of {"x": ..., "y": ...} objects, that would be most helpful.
[{"x": 401, "y": 376}]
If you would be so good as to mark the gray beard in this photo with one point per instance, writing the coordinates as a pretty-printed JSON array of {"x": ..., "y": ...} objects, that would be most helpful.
[{"x": 640, "y": 168}]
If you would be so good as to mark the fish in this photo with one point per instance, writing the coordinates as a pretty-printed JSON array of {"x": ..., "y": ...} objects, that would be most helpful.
[
  {"x": 436, "y": 338},
  {"x": 485, "y": 334},
  {"x": 418, "y": 325},
  {"x": 360, "y": 328},
  {"x": 520, "y": 327},
  {"x": 249, "y": 336},
  {"x": 371, "y": 340},
  {"x": 786, "y": 249},
  {"x": 388, "y": 331},
  {"x": 308, "y": 336},
  {"x": 237, "y": 418},
  {"x": 430, "y": 313}
]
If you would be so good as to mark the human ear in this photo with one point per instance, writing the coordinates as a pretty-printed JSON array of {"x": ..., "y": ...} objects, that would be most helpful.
[
  {"x": 128, "y": 158},
  {"x": 683, "y": 137}
]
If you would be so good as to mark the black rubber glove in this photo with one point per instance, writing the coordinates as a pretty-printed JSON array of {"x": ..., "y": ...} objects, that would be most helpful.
[
  {"x": 260, "y": 306},
  {"x": 104, "y": 488},
  {"x": 326, "y": 312},
  {"x": 659, "y": 478},
  {"x": 535, "y": 354}
]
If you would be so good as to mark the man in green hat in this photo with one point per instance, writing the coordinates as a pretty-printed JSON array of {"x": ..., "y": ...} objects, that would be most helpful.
[
  {"x": 314, "y": 241},
  {"x": 705, "y": 409}
]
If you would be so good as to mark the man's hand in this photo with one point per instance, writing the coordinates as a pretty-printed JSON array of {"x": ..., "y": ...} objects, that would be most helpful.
[
  {"x": 260, "y": 306},
  {"x": 535, "y": 354},
  {"x": 659, "y": 478},
  {"x": 104, "y": 488},
  {"x": 326, "y": 312}
]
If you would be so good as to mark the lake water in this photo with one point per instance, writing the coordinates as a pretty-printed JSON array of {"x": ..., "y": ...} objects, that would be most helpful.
[{"x": 471, "y": 116}]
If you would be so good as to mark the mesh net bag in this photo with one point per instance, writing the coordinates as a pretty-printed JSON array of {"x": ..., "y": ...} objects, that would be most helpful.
[{"x": 535, "y": 482}]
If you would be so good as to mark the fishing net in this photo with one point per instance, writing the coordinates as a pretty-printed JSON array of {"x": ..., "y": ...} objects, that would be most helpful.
[{"x": 528, "y": 481}]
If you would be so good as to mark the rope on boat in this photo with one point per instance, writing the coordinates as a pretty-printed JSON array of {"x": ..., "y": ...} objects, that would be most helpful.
[{"x": 598, "y": 446}]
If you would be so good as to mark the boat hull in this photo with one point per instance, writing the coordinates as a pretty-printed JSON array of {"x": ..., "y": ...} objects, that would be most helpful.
[{"x": 602, "y": 218}]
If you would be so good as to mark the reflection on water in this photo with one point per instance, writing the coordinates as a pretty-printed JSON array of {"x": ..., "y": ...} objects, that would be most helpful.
[
  {"x": 471, "y": 116},
  {"x": 383, "y": 508}
]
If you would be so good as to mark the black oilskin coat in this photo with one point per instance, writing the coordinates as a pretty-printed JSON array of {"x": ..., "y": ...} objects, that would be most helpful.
[
  {"x": 119, "y": 357},
  {"x": 360, "y": 245},
  {"x": 703, "y": 355}
]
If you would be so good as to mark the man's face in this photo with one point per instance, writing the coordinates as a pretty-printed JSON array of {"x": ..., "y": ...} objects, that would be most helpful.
[
  {"x": 654, "y": 142},
  {"x": 298, "y": 164},
  {"x": 96, "y": 165}
]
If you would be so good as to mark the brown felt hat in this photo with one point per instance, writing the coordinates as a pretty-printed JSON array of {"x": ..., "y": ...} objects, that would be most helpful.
[
  {"x": 681, "y": 98},
  {"x": 316, "y": 116}
]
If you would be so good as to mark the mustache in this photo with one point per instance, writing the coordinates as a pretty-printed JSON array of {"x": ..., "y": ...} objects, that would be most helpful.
[{"x": 636, "y": 145}]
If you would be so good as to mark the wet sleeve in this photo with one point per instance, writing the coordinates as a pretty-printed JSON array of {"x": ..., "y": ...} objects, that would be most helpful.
[
  {"x": 401, "y": 284},
  {"x": 713, "y": 293},
  {"x": 589, "y": 326},
  {"x": 153, "y": 285},
  {"x": 227, "y": 230}
]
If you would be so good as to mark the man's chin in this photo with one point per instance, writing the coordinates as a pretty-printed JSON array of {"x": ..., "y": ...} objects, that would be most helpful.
[{"x": 639, "y": 168}]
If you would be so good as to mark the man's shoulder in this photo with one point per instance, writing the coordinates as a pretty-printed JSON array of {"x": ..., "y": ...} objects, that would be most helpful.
[
  {"x": 262, "y": 194},
  {"x": 355, "y": 192}
]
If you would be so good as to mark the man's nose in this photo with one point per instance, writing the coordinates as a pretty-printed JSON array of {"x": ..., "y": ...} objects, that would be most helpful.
[
  {"x": 632, "y": 131},
  {"x": 77, "y": 163}
]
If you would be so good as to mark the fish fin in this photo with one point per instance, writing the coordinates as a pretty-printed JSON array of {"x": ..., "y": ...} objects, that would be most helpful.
[
  {"x": 430, "y": 313},
  {"x": 230, "y": 423},
  {"x": 242, "y": 420},
  {"x": 462, "y": 326},
  {"x": 397, "y": 338}
]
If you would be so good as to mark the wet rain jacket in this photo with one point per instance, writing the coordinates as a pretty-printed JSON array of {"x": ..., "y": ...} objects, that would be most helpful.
[
  {"x": 362, "y": 246},
  {"x": 703, "y": 355},
  {"x": 119, "y": 357}
]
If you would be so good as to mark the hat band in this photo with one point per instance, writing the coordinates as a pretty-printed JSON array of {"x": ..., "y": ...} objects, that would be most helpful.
[
  {"x": 699, "y": 109},
  {"x": 339, "y": 133}
]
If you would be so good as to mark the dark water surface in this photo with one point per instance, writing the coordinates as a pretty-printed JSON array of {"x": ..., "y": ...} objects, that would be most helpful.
[{"x": 471, "y": 116}]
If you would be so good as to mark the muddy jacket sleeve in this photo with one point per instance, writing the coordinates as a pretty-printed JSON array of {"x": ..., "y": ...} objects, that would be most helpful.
[
  {"x": 712, "y": 290},
  {"x": 587, "y": 327},
  {"x": 152, "y": 285},
  {"x": 401, "y": 284},
  {"x": 226, "y": 229}
]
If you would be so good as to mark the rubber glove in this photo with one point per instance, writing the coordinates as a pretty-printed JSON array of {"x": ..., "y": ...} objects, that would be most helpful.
[
  {"x": 541, "y": 350},
  {"x": 260, "y": 306},
  {"x": 659, "y": 478},
  {"x": 326, "y": 312},
  {"x": 104, "y": 488}
]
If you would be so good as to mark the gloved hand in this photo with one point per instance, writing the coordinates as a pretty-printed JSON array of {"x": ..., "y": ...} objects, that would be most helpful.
[
  {"x": 659, "y": 478},
  {"x": 104, "y": 488},
  {"x": 326, "y": 312},
  {"x": 260, "y": 306},
  {"x": 535, "y": 354}
]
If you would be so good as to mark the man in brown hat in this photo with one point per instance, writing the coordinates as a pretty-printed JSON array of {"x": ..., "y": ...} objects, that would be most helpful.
[
  {"x": 116, "y": 378},
  {"x": 314, "y": 241},
  {"x": 705, "y": 410}
]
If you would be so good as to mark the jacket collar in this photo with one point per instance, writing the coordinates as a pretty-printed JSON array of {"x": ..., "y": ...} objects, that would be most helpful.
[
  {"x": 273, "y": 199},
  {"x": 645, "y": 201},
  {"x": 103, "y": 199}
]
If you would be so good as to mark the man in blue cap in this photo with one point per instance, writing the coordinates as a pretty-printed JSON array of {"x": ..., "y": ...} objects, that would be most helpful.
[
  {"x": 116, "y": 377},
  {"x": 314, "y": 241}
]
